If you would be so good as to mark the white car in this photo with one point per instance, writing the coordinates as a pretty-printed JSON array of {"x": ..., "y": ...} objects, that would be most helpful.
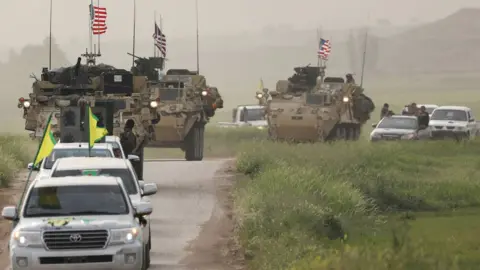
[
  {"x": 137, "y": 190},
  {"x": 77, "y": 223},
  {"x": 453, "y": 122},
  {"x": 247, "y": 116},
  {"x": 429, "y": 108},
  {"x": 62, "y": 150}
]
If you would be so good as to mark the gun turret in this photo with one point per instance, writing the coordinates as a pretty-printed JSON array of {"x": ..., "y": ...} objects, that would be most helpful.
[
  {"x": 305, "y": 78},
  {"x": 147, "y": 66}
]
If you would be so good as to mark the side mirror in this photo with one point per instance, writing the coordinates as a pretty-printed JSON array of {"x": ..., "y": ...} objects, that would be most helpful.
[
  {"x": 31, "y": 167},
  {"x": 9, "y": 213},
  {"x": 374, "y": 125},
  {"x": 149, "y": 189},
  {"x": 133, "y": 158},
  {"x": 143, "y": 208}
]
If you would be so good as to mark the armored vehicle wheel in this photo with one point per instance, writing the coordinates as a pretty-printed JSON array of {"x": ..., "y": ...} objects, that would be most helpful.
[{"x": 194, "y": 142}]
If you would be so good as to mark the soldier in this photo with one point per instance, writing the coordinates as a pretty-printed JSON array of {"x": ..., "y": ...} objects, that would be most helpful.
[
  {"x": 127, "y": 138},
  {"x": 413, "y": 109},
  {"x": 423, "y": 117},
  {"x": 384, "y": 110},
  {"x": 350, "y": 78}
]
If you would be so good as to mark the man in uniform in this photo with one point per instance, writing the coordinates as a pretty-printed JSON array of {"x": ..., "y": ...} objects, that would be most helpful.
[
  {"x": 384, "y": 110},
  {"x": 423, "y": 117},
  {"x": 349, "y": 78},
  {"x": 127, "y": 138}
]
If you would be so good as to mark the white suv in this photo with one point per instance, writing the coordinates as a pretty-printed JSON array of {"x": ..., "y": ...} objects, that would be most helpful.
[{"x": 56, "y": 231}]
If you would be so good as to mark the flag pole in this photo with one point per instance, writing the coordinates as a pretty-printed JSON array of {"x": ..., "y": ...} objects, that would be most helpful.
[
  {"x": 198, "y": 55},
  {"x": 88, "y": 128},
  {"x": 155, "y": 23},
  {"x": 98, "y": 36},
  {"x": 90, "y": 23},
  {"x": 33, "y": 163},
  {"x": 134, "y": 20},
  {"x": 50, "y": 39}
]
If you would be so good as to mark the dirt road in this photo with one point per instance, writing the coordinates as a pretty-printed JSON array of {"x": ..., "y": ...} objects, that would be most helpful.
[{"x": 192, "y": 224}]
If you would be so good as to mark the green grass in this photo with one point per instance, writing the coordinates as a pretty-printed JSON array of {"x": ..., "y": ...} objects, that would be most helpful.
[
  {"x": 219, "y": 142},
  {"x": 15, "y": 153},
  {"x": 360, "y": 206}
]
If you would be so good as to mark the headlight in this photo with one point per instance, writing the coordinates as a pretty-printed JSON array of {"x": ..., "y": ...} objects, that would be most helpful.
[
  {"x": 375, "y": 136},
  {"x": 25, "y": 239},
  {"x": 409, "y": 136},
  {"x": 345, "y": 99},
  {"x": 260, "y": 127},
  {"x": 124, "y": 236},
  {"x": 153, "y": 104},
  {"x": 204, "y": 93},
  {"x": 26, "y": 104},
  {"x": 259, "y": 96}
]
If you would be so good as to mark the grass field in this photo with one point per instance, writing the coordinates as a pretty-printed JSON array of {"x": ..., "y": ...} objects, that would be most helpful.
[
  {"x": 15, "y": 153},
  {"x": 360, "y": 206}
]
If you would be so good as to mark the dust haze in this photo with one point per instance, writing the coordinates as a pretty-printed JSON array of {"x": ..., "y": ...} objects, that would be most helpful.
[{"x": 243, "y": 41}]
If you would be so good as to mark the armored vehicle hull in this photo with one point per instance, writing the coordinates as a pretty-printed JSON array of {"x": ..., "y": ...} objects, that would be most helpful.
[
  {"x": 331, "y": 110},
  {"x": 185, "y": 105}
]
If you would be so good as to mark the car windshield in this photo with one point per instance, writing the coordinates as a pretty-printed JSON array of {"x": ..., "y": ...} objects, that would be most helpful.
[
  {"x": 124, "y": 174},
  {"x": 429, "y": 109},
  {"x": 252, "y": 115},
  {"x": 398, "y": 123},
  {"x": 454, "y": 115},
  {"x": 64, "y": 201},
  {"x": 74, "y": 152}
]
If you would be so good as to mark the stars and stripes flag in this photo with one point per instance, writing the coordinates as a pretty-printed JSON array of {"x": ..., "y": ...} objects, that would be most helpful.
[
  {"x": 324, "y": 48},
  {"x": 98, "y": 19},
  {"x": 160, "y": 40}
]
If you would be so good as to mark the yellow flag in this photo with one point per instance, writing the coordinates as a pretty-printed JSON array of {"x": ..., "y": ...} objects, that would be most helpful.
[
  {"x": 47, "y": 143},
  {"x": 261, "y": 84},
  {"x": 95, "y": 133}
]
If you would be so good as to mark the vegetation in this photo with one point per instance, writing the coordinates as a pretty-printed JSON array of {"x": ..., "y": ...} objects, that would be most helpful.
[
  {"x": 359, "y": 205},
  {"x": 16, "y": 152},
  {"x": 219, "y": 142}
]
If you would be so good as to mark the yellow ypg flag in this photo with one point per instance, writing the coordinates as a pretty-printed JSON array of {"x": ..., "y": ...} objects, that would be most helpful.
[
  {"x": 47, "y": 143},
  {"x": 95, "y": 133},
  {"x": 261, "y": 84}
]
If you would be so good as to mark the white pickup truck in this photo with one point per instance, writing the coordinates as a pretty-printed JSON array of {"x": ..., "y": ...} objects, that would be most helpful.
[
  {"x": 453, "y": 121},
  {"x": 247, "y": 115}
]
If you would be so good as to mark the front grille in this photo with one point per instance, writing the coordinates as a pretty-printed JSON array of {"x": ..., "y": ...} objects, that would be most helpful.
[
  {"x": 75, "y": 239},
  {"x": 450, "y": 128},
  {"x": 391, "y": 137},
  {"x": 77, "y": 259},
  {"x": 438, "y": 127}
]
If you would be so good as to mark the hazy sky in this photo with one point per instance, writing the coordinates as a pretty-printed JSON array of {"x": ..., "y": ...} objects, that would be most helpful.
[{"x": 26, "y": 21}]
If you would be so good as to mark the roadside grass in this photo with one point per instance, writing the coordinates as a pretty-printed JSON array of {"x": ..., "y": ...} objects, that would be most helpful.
[
  {"x": 219, "y": 142},
  {"x": 359, "y": 205},
  {"x": 15, "y": 153}
]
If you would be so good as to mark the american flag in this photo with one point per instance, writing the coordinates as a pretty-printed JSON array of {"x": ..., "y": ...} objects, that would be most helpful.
[
  {"x": 160, "y": 40},
  {"x": 324, "y": 49},
  {"x": 98, "y": 17}
]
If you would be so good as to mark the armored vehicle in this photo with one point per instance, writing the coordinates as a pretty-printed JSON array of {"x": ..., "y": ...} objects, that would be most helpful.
[
  {"x": 115, "y": 95},
  {"x": 311, "y": 107},
  {"x": 184, "y": 102}
]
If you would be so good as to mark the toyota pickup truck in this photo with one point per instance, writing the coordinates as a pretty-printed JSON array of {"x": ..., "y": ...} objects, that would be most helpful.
[
  {"x": 453, "y": 122},
  {"x": 247, "y": 116}
]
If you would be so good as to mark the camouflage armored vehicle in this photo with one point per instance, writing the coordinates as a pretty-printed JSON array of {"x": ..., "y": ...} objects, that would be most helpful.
[
  {"x": 115, "y": 95},
  {"x": 311, "y": 107}
]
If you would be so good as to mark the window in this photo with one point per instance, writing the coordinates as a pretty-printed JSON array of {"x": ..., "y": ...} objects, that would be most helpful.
[
  {"x": 63, "y": 201},
  {"x": 398, "y": 123},
  {"x": 73, "y": 152},
  {"x": 125, "y": 174},
  {"x": 252, "y": 114},
  {"x": 453, "y": 115}
]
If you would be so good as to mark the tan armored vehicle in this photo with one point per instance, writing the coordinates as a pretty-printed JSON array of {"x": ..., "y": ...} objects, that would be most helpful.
[
  {"x": 101, "y": 86},
  {"x": 307, "y": 107},
  {"x": 185, "y": 104}
]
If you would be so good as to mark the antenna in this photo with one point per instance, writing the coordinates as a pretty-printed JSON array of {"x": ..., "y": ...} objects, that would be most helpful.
[
  {"x": 50, "y": 39},
  {"x": 198, "y": 56},
  {"x": 154, "y": 31},
  {"x": 364, "y": 57},
  {"x": 134, "y": 20}
]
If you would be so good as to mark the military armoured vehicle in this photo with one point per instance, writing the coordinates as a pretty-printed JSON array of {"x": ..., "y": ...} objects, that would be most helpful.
[
  {"x": 115, "y": 95},
  {"x": 311, "y": 107}
]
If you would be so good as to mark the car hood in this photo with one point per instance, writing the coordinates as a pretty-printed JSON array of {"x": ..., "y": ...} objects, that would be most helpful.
[
  {"x": 392, "y": 131},
  {"x": 43, "y": 174},
  {"x": 76, "y": 222},
  {"x": 447, "y": 123}
]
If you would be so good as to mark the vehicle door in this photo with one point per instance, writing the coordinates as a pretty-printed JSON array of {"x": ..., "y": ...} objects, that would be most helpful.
[
  {"x": 146, "y": 231},
  {"x": 472, "y": 124}
]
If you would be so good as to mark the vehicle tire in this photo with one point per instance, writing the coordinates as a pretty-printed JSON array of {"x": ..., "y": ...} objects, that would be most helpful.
[
  {"x": 195, "y": 143},
  {"x": 144, "y": 258},
  {"x": 149, "y": 239}
]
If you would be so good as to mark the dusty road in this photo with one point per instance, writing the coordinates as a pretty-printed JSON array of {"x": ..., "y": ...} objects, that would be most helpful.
[{"x": 191, "y": 221}]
